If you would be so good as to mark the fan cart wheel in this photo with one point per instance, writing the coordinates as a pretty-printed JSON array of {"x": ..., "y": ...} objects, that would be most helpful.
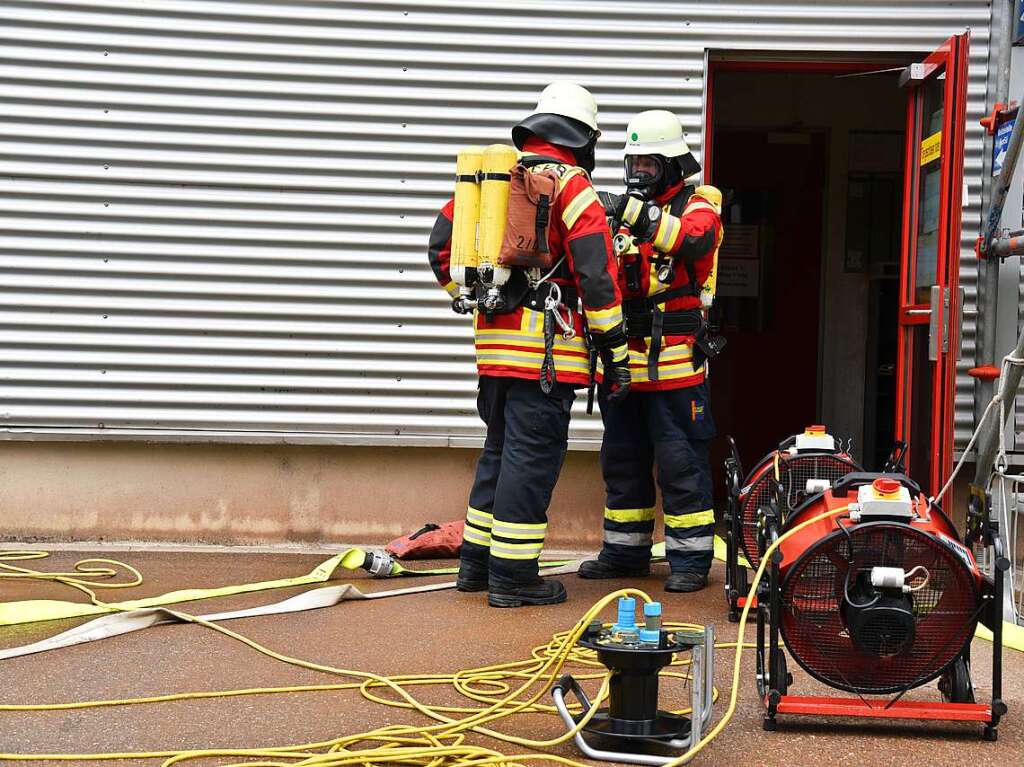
[{"x": 955, "y": 684}]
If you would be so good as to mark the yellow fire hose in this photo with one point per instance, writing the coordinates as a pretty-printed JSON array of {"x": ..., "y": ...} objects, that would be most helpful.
[
  {"x": 92, "y": 574},
  {"x": 505, "y": 690}
]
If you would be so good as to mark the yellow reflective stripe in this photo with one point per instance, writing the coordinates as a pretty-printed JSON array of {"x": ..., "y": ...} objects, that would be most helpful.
[
  {"x": 452, "y": 289},
  {"x": 509, "y": 359},
  {"x": 629, "y": 515},
  {"x": 579, "y": 203},
  {"x": 522, "y": 531},
  {"x": 693, "y": 519},
  {"x": 534, "y": 322},
  {"x": 536, "y": 527},
  {"x": 637, "y": 357},
  {"x": 668, "y": 231},
  {"x": 501, "y": 553},
  {"x": 472, "y": 535},
  {"x": 569, "y": 174},
  {"x": 479, "y": 518},
  {"x": 681, "y": 353},
  {"x": 516, "y": 550},
  {"x": 575, "y": 345},
  {"x": 601, "y": 320},
  {"x": 630, "y": 213}
]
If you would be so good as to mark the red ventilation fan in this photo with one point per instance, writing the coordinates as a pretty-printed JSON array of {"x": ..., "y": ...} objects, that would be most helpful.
[
  {"x": 803, "y": 465},
  {"x": 876, "y": 600}
]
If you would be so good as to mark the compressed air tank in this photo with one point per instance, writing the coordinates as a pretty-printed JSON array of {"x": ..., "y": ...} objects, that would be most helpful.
[
  {"x": 495, "y": 187},
  {"x": 709, "y": 288},
  {"x": 466, "y": 218}
]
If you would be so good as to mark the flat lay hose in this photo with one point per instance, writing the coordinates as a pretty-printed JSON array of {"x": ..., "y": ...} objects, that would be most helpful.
[{"x": 504, "y": 689}]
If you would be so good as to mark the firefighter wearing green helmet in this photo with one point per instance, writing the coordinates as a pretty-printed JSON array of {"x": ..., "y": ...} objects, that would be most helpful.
[{"x": 668, "y": 248}]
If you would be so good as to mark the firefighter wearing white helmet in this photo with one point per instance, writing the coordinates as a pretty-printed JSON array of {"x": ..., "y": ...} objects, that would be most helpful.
[
  {"x": 527, "y": 422},
  {"x": 671, "y": 234}
]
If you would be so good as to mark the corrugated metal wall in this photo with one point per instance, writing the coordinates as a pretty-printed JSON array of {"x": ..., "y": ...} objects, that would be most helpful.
[{"x": 213, "y": 215}]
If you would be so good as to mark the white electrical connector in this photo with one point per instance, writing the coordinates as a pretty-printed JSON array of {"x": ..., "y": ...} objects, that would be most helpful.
[
  {"x": 889, "y": 578},
  {"x": 897, "y": 578},
  {"x": 817, "y": 486}
]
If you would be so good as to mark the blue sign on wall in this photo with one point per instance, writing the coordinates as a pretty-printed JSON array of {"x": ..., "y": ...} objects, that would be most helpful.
[
  {"x": 1018, "y": 36},
  {"x": 1000, "y": 144}
]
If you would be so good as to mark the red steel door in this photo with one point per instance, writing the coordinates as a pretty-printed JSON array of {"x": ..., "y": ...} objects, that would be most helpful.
[{"x": 929, "y": 314}]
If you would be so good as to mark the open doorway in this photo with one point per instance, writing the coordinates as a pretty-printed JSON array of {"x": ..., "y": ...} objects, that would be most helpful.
[{"x": 810, "y": 158}]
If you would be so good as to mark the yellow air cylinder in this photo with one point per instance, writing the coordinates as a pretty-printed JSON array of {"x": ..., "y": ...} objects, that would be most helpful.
[
  {"x": 466, "y": 218},
  {"x": 712, "y": 196},
  {"x": 498, "y": 161}
]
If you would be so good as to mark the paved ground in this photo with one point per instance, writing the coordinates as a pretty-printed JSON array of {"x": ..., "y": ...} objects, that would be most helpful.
[{"x": 440, "y": 631}]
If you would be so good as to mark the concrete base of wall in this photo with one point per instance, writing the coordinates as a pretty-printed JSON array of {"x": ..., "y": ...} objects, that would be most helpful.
[
  {"x": 259, "y": 493},
  {"x": 269, "y": 494}
]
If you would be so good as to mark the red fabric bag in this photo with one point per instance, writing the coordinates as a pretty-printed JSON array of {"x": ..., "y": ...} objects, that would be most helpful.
[{"x": 429, "y": 542}]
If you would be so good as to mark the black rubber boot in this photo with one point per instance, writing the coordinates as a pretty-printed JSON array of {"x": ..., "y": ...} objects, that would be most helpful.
[
  {"x": 686, "y": 581},
  {"x": 472, "y": 576},
  {"x": 543, "y": 591},
  {"x": 595, "y": 569}
]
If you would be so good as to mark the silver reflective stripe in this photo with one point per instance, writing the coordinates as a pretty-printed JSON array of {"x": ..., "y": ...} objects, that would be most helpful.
[
  {"x": 627, "y": 539},
  {"x": 698, "y": 543}
]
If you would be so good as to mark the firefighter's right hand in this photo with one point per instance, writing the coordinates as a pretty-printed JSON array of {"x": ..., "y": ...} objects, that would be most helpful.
[
  {"x": 615, "y": 360},
  {"x": 641, "y": 217},
  {"x": 617, "y": 377},
  {"x": 461, "y": 306}
]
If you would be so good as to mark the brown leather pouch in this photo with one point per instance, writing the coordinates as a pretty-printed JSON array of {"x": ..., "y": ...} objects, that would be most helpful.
[{"x": 531, "y": 199}]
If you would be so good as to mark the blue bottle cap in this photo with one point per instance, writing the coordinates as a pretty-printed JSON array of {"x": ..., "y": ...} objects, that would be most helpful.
[
  {"x": 652, "y": 608},
  {"x": 627, "y": 615}
]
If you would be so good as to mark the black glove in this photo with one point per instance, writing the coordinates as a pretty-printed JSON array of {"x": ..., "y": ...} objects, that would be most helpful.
[
  {"x": 641, "y": 217},
  {"x": 459, "y": 305},
  {"x": 615, "y": 358},
  {"x": 611, "y": 203}
]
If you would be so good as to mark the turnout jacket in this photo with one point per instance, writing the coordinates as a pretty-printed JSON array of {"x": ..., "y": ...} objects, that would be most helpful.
[{"x": 695, "y": 239}]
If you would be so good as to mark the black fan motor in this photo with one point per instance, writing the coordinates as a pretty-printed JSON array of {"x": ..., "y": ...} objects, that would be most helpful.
[{"x": 880, "y": 620}]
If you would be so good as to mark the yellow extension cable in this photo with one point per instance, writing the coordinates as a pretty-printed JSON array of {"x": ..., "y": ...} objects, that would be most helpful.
[{"x": 437, "y": 745}]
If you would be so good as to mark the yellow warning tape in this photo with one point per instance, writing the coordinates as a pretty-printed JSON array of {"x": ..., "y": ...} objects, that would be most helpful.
[{"x": 1013, "y": 636}]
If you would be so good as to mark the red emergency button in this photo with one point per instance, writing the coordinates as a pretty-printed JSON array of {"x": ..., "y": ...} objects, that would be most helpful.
[{"x": 886, "y": 487}]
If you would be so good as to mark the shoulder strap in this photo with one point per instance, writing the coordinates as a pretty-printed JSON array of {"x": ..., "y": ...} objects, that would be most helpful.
[{"x": 679, "y": 202}]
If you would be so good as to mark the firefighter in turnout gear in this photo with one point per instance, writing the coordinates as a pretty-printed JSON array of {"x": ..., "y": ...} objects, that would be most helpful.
[
  {"x": 532, "y": 353},
  {"x": 668, "y": 250}
]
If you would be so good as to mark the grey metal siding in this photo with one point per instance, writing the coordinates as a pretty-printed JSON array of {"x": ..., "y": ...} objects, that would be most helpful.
[{"x": 213, "y": 215}]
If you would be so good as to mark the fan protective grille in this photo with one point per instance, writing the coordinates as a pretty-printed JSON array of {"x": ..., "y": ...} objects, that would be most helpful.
[
  {"x": 815, "y": 630},
  {"x": 794, "y": 471}
]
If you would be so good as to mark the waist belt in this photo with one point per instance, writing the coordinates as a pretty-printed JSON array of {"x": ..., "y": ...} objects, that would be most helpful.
[
  {"x": 519, "y": 294},
  {"x": 685, "y": 323},
  {"x": 654, "y": 323},
  {"x": 534, "y": 299}
]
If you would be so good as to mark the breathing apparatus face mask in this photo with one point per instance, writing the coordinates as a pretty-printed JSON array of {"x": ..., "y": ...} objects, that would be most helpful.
[{"x": 650, "y": 174}]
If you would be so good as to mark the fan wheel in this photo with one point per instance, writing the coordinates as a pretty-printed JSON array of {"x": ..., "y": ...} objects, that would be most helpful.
[
  {"x": 955, "y": 683},
  {"x": 780, "y": 673}
]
